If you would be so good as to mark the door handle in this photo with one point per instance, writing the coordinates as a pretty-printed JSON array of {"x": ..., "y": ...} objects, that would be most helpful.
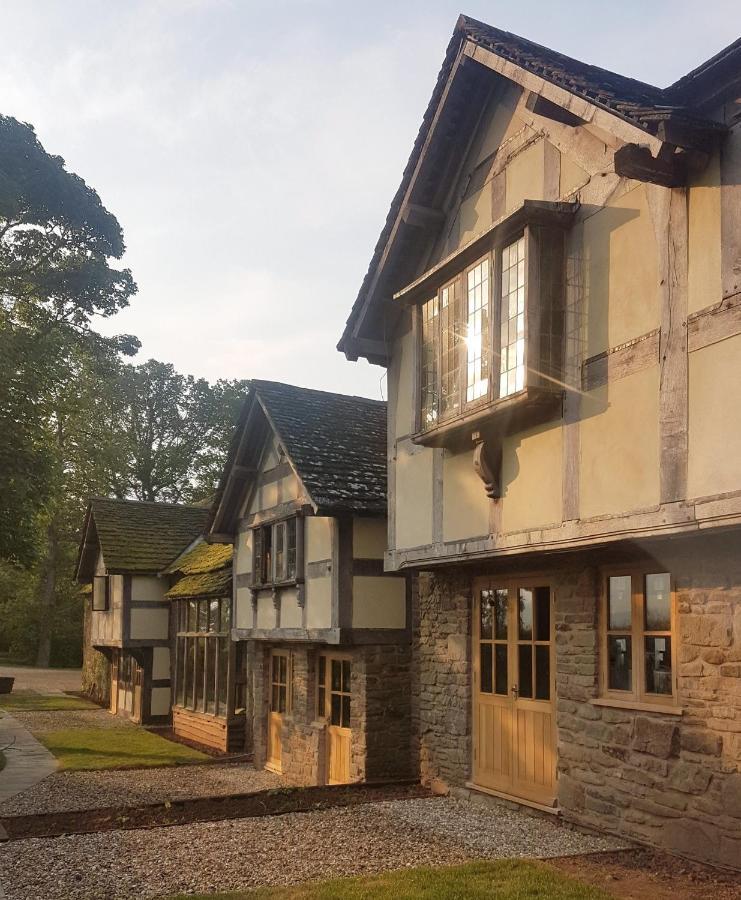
[{"x": 515, "y": 691}]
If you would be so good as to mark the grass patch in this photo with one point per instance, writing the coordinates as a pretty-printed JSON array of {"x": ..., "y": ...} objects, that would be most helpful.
[
  {"x": 28, "y": 701},
  {"x": 115, "y": 748},
  {"x": 506, "y": 879}
]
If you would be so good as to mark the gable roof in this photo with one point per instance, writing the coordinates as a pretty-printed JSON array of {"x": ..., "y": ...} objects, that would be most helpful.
[
  {"x": 336, "y": 444},
  {"x": 204, "y": 570},
  {"x": 644, "y": 106},
  {"x": 137, "y": 536}
]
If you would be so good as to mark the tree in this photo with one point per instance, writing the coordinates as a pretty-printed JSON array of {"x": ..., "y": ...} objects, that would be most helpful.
[{"x": 177, "y": 431}]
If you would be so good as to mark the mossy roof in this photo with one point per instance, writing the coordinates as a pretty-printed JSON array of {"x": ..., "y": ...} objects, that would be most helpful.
[
  {"x": 141, "y": 537},
  {"x": 205, "y": 571}
]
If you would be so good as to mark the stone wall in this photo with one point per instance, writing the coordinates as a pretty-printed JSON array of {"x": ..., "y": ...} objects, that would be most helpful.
[{"x": 671, "y": 781}]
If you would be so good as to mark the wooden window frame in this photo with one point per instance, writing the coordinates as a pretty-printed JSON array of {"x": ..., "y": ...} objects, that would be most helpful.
[
  {"x": 265, "y": 574},
  {"x": 325, "y": 714},
  {"x": 637, "y": 697},
  {"x": 106, "y": 593},
  {"x": 280, "y": 653},
  {"x": 186, "y": 643}
]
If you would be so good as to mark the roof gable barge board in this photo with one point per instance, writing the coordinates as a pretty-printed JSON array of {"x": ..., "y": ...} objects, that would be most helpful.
[{"x": 610, "y": 121}]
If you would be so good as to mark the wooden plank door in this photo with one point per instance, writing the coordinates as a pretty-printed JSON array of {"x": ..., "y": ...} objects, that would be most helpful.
[
  {"x": 514, "y": 690},
  {"x": 339, "y": 734},
  {"x": 279, "y": 699}
]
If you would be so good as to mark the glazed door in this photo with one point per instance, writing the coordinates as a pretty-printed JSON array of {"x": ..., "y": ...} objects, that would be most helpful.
[
  {"x": 279, "y": 673},
  {"x": 339, "y": 735},
  {"x": 514, "y": 690},
  {"x": 138, "y": 676},
  {"x": 125, "y": 683}
]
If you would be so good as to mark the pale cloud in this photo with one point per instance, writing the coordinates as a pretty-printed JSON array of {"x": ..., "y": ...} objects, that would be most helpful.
[{"x": 251, "y": 149}]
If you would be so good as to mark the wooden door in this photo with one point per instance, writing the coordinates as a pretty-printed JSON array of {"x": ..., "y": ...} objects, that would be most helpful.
[
  {"x": 339, "y": 734},
  {"x": 279, "y": 699},
  {"x": 137, "y": 688},
  {"x": 125, "y": 702},
  {"x": 514, "y": 733}
]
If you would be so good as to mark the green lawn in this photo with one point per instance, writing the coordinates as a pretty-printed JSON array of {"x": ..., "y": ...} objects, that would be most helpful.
[
  {"x": 115, "y": 748},
  {"x": 506, "y": 879},
  {"x": 29, "y": 701}
]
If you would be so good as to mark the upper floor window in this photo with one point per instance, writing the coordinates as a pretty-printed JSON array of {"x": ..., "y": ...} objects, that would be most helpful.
[
  {"x": 101, "y": 593},
  {"x": 492, "y": 328},
  {"x": 637, "y": 638},
  {"x": 275, "y": 553}
]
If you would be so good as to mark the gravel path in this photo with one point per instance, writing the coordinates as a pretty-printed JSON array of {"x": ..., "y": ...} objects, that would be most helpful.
[
  {"x": 70, "y": 718},
  {"x": 277, "y": 850},
  {"x": 65, "y": 791}
]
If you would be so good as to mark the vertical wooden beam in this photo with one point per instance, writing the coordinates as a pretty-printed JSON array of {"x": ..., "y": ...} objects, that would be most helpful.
[
  {"x": 668, "y": 209},
  {"x": 437, "y": 494},
  {"x": 345, "y": 576},
  {"x": 730, "y": 212}
]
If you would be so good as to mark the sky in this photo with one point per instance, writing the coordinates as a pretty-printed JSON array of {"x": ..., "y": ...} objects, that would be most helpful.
[{"x": 251, "y": 150}]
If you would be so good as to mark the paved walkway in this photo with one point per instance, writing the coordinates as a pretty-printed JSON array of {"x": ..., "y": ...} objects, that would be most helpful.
[
  {"x": 27, "y": 761},
  {"x": 43, "y": 681}
]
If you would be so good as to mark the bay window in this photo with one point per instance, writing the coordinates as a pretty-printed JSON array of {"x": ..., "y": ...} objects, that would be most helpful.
[
  {"x": 275, "y": 552},
  {"x": 490, "y": 326},
  {"x": 202, "y": 650}
]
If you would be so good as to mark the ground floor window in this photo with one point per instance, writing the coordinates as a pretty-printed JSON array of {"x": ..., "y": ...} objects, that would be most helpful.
[
  {"x": 202, "y": 655},
  {"x": 333, "y": 690},
  {"x": 637, "y": 631}
]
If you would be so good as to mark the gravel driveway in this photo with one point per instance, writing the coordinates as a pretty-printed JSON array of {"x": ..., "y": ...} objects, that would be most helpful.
[
  {"x": 65, "y": 791},
  {"x": 278, "y": 850}
]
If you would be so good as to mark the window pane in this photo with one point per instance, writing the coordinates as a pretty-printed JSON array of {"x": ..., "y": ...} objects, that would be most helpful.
[
  {"x": 542, "y": 614},
  {"x": 542, "y": 672},
  {"x": 320, "y": 702},
  {"x": 428, "y": 367},
  {"x": 501, "y": 677},
  {"x": 336, "y": 675},
  {"x": 200, "y": 647},
  {"x": 620, "y": 663},
  {"x": 192, "y": 615},
  {"x": 275, "y": 698},
  {"x": 486, "y": 668},
  {"x": 210, "y": 675},
  {"x": 477, "y": 331},
  {"x": 213, "y": 615},
  {"x": 525, "y": 667},
  {"x": 291, "y": 549},
  {"x": 225, "y": 610},
  {"x": 180, "y": 672},
  {"x": 223, "y": 674},
  {"x": 280, "y": 554},
  {"x": 346, "y": 675},
  {"x": 658, "y": 665},
  {"x": 203, "y": 615},
  {"x": 619, "y": 602},
  {"x": 486, "y": 615},
  {"x": 282, "y": 696},
  {"x": 266, "y": 574},
  {"x": 345, "y": 712},
  {"x": 501, "y": 605},
  {"x": 451, "y": 330},
  {"x": 511, "y": 319},
  {"x": 189, "y": 671},
  {"x": 525, "y": 615},
  {"x": 335, "y": 717},
  {"x": 658, "y": 602}
]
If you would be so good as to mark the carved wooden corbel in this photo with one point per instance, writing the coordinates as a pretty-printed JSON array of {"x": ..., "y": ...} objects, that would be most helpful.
[{"x": 487, "y": 463}]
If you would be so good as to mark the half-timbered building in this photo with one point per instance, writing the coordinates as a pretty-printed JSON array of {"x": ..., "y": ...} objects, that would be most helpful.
[
  {"x": 321, "y": 630},
  {"x": 125, "y": 546},
  {"x": 556, "y": 295}
]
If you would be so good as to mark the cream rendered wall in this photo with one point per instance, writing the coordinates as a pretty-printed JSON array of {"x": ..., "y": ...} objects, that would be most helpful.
[
  {"x": 403, "y": 389},
  {"x": 318, "y": 538},
  {"x": 319, "y": 602},
  {"x": 243, "y": 553},
  {"x": 531, "y": 475},
  {"x": 368, "y": 538},
  {"x": 106, "y": 627},
  {"x": 474, "y": 215},
  {"x": 378, "y": 602},
  {"x": 714, "y": 419},
  {"x": 146, "y": 589},
  {"x": 243, "y": 608},
  {"x": 465, "y": 505},
  {"x": 620, "y": 273},
  {"x": 525, "y": 176},
  {"x": 265, "y": 610},
  {"x": 291, "y": 614},
  {"x": 160, "y": 662},
  {"x": 150, "y": 624},
  {"x": 571, "y": 176},
  {"x": 704, "y": 286},
  {"x": 413, "y": 495},
  {"x": 160, "y": 704},
  {"x": 619, "y": 438}
]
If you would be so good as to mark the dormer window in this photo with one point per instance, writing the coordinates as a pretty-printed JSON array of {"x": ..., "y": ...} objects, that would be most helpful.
[{"x": 491, "y": 331}]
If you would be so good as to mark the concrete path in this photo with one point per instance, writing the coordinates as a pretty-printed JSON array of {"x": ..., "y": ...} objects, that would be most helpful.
[
  {"x": 43, "y": 681},
  {"x": 27, "y": 761}
]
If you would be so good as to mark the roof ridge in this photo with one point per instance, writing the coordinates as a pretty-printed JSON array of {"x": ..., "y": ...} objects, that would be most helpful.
[
  {"x": 297, "y": 387},
  {"x": 134, "y": 502}
]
